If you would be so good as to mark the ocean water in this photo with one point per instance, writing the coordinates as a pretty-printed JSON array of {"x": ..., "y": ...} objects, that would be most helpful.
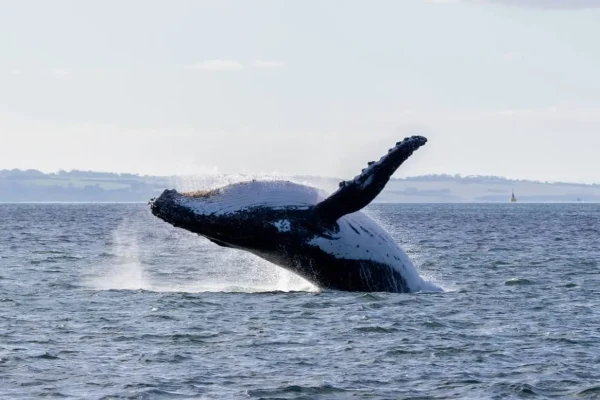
[{"x": 106, "y": 301}]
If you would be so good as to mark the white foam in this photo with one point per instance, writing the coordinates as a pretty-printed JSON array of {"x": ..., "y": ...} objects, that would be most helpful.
[
  {"x": 237, "y": 271},
  {"x": 127, "y": 272}
]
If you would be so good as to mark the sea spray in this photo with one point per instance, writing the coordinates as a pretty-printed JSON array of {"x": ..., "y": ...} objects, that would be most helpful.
[
  {"x": 132, "y": 265},
  {"x": 125, "y": 271}
]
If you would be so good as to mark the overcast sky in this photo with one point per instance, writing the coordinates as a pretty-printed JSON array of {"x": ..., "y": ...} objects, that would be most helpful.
[{"x": 504, "y": 87}]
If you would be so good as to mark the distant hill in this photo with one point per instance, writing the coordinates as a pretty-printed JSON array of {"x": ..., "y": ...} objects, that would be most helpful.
[
  {"x": 77, "y": 186},
  {"x": 88, "y": 186}
]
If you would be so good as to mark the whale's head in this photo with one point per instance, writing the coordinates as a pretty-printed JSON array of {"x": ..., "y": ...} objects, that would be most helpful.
[
  {"x": 202, "y": 212},
  {"x": 238, "y": 215}
]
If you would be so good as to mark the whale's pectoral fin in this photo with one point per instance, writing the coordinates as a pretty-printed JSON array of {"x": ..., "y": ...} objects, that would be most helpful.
[{"x": 360, "y": 191}]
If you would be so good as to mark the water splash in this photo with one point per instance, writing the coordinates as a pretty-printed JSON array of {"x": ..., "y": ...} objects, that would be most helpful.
[
  {"x": 260, "y": 275},
  {"x": 126, "y": 271},
  {"x": 227, "y": 270}
]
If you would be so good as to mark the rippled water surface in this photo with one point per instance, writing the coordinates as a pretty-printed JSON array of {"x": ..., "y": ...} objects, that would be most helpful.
[{"x": 105, "y": 301}]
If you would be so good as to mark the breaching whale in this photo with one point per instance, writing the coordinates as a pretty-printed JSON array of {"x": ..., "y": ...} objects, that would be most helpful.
[{"x": 325, "y": 239}]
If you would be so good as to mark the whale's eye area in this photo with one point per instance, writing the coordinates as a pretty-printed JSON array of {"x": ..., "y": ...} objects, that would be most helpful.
[{"x": 201, "y": 194}]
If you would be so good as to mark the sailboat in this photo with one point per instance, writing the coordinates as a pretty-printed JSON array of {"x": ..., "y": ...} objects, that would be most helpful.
[{"x": 513, "y": 199}]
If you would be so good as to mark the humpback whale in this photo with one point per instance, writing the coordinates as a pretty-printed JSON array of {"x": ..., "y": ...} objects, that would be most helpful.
[{"x": 325, "y": 239}]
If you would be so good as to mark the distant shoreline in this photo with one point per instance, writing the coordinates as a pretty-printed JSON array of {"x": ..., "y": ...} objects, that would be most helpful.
[{"x": 88, "y": 187}]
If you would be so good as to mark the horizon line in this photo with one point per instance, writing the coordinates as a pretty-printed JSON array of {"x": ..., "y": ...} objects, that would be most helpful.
[{"x": 274, "y": 174}]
